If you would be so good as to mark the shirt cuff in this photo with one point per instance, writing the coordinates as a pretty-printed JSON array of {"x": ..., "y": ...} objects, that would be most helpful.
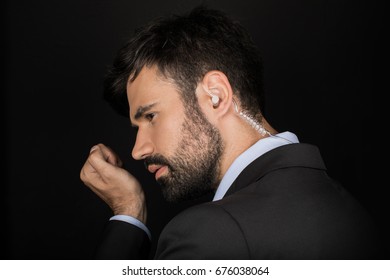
[{"x": 133, "y": 221}]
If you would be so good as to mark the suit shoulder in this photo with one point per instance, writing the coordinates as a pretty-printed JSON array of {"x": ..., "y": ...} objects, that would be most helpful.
[
  {"x": 202, "y": 232},
  {"x": 205, "y": 217}
]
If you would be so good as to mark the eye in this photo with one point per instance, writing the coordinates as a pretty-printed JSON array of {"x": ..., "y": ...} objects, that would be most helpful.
[{"x": 150, "y": 116}]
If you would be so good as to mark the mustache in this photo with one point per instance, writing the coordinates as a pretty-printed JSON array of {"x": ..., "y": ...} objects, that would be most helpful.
[{"x": 156, "y": 159}]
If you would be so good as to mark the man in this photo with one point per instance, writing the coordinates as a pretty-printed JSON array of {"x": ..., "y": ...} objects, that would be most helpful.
[{"x": 192, "y": 86}]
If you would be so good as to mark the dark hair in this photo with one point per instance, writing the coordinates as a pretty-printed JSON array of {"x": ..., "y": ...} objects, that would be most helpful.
[{"x": 185, "y": 48}]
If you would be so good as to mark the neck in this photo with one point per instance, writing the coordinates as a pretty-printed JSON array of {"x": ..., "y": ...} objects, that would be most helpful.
[{"x": 238, "y": 137}]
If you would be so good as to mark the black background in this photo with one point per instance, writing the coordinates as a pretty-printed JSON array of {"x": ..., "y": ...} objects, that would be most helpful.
[{"x": 322, "y": 61}]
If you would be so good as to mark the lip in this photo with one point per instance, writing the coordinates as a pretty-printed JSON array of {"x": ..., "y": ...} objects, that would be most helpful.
[{"x": 159, "y": 170}]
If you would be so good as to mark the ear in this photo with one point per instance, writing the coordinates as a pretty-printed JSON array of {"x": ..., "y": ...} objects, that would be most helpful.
[{"x": 215, "y": 94}]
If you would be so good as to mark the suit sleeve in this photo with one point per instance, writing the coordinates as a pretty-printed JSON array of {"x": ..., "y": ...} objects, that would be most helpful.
[
  {"x": 203, "y": 232},
  {"x": 123, "y": 241}
]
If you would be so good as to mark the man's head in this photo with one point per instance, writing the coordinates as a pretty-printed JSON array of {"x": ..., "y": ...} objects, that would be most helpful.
[
  {"x": 178, "y": 144},
  {"x": 158, "y": 79},
  {"x": 185, "y": 48}
]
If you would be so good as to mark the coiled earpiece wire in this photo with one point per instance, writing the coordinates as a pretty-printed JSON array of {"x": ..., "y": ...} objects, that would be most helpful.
[
  {"x": 255, "y": 124},
  {"x": 247, "y": 117}
]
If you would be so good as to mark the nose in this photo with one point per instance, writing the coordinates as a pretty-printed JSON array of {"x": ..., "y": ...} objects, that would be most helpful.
[{"x": 143, "y": 146}]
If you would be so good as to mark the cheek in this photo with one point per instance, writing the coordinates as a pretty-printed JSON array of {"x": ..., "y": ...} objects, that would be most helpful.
[{"x": 167, "y": 136}]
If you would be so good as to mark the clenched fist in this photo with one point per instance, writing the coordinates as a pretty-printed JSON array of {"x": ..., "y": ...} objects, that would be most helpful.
[{"x": 104, "y": 175}]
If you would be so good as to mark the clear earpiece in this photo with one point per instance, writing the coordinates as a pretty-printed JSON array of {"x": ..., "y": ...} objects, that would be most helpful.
[{"x": 214, "y": 100}]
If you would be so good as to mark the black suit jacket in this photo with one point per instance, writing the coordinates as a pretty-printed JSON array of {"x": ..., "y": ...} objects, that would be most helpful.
[{"x": 282, "y": 206}]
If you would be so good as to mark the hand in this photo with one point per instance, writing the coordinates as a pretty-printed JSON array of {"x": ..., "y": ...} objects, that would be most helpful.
[{"x": 103, "y": 174}]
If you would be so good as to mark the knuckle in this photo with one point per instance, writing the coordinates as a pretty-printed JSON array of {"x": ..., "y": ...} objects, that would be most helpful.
[
  {"x": 83, "y": 175},
  {"x": 106, "y": 173}
]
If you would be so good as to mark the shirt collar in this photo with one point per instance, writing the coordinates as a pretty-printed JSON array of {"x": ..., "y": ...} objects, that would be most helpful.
[{"x": 256, "y": 150}]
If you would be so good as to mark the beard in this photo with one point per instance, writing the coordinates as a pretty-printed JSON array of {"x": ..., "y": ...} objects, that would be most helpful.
[{"x": 194, "y": 169}]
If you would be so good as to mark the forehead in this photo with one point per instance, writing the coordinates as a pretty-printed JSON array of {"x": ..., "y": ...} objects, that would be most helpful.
[{"x": 150, "y": 87}]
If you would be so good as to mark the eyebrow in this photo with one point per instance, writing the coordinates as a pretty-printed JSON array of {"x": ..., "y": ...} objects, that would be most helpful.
[{"x": 142, "y": 109}]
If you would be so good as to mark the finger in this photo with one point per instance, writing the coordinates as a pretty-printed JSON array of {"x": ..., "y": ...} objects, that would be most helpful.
[
  {"x": 113, "y": 158},
  {"x": 108, "y": 154},
  {"x": 99, "y": 161},
  {"x": 88, "y": 173}
]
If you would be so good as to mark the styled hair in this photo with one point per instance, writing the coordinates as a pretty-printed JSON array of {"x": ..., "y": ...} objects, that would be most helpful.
[{"x": 184, "y": 48}]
